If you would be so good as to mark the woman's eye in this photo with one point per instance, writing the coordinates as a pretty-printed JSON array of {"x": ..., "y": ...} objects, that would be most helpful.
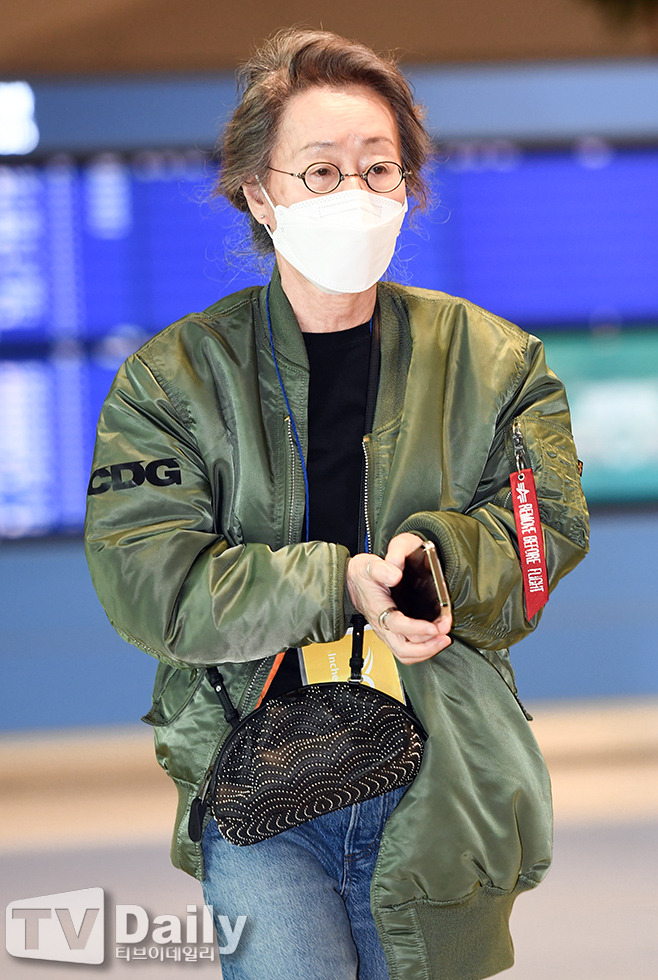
[
  {"x": 320, "y": 171},
  {"x": 322, "y": 177}
]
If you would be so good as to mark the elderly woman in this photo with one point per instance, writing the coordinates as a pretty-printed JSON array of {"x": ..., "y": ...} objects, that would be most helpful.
[{"x": 231, "y": 518}]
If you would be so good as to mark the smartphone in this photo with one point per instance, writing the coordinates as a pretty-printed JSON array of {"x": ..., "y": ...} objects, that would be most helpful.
[{"x": 422, "y": 592}]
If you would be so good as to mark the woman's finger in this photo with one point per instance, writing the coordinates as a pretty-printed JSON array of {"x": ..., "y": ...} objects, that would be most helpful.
[
  {"x": 381, "y": 572},
  {"x": 416, "y": 630},
  {"x": 408, "y": 652}
]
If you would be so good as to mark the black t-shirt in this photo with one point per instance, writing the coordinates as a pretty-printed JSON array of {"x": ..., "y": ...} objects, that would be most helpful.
[{"x": 338, "y": 384}]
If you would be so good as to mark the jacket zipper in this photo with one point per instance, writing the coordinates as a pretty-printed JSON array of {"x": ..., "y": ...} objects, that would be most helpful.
[
  {"x": 366, "y": 492},
  {"x": 246, "y": 700},
  {"x": 519, "y": 447},
  {"x": 520, "y": 457},
  {"x": 293, "y": 478}
]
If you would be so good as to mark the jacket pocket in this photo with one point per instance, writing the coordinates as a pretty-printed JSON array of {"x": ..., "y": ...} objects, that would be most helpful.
[
  {"x": 173, "y": 690},
  {"x": 551, "y": 453}
]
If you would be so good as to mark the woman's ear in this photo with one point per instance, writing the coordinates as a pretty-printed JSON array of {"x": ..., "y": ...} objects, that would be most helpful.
[{"x": 255, "y": 198}]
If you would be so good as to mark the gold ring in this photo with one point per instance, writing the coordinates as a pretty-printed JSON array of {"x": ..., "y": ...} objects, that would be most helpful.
[{"x": 383, "y": 615}]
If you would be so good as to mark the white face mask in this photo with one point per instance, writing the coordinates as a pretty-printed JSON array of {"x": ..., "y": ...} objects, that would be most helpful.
[{"x": 341, "y": 242}]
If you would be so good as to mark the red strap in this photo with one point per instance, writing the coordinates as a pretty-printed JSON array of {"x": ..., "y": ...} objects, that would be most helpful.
[{"x": 531, "y": 541}]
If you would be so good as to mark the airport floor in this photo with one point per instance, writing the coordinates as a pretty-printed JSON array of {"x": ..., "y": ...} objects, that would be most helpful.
[{"x": 594, "y": 918}]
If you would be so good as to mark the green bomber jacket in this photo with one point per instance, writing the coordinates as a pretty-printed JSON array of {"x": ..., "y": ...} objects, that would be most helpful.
[{"x": 193, "y": 537}]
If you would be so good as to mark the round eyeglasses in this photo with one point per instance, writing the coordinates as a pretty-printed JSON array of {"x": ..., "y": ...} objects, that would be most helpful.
[{"x": 323, "y": 178}]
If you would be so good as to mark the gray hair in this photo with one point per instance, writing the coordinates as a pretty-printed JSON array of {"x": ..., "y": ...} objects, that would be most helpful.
[{"x": 293, "y": 61}]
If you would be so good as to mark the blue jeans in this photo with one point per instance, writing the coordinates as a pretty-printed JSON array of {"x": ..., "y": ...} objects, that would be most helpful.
[{"x": 306, "y": 895}]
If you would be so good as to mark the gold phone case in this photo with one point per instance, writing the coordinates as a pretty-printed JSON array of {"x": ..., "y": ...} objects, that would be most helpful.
[{"x": 422, "y": 592}]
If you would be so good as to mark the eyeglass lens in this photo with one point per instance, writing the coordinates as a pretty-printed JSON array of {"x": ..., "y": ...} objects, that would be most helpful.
[{"x": 321, "y": 178}]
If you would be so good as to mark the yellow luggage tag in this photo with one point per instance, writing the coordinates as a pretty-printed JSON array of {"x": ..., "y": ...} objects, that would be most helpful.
[{"x": 322, "y": 662}]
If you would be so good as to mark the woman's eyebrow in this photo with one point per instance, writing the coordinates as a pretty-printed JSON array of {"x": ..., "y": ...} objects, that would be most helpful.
[
  {"x": 318, "y": 145},
  {"x": 331, "y": 144}
]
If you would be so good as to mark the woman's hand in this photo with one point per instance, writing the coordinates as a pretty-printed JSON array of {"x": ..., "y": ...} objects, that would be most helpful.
[{"x": 369, "y": 583}]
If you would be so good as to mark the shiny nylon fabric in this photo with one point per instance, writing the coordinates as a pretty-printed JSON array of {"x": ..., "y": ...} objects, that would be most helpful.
[
  {"x": 469, "y": 834},
  {"x": 476, "y": 824}
]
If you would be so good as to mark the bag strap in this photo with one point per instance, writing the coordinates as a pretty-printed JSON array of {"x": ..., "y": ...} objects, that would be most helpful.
[{"x": 217, "y": 684}]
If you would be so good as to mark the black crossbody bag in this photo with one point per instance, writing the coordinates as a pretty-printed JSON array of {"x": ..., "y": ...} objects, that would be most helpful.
[{"x": 311, "y": 751}]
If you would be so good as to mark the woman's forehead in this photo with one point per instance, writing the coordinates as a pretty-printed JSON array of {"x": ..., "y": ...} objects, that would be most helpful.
[{"x": 323, "y": 118}]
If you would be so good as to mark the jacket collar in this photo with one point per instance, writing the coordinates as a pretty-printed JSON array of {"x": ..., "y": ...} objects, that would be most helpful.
[
  {"x": 288, "y": 340},
  {"x": 395, "y": 341}
]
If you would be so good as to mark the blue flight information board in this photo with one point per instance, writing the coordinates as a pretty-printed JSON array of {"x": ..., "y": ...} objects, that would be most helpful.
[{"x": 97, "y": 255}]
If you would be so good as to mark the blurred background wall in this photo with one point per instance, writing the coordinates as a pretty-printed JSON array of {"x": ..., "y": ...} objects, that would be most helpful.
[{"x": 109, "y": 36}]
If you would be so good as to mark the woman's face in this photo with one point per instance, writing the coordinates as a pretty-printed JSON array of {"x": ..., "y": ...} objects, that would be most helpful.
[{"x": 351, "y": 127}]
